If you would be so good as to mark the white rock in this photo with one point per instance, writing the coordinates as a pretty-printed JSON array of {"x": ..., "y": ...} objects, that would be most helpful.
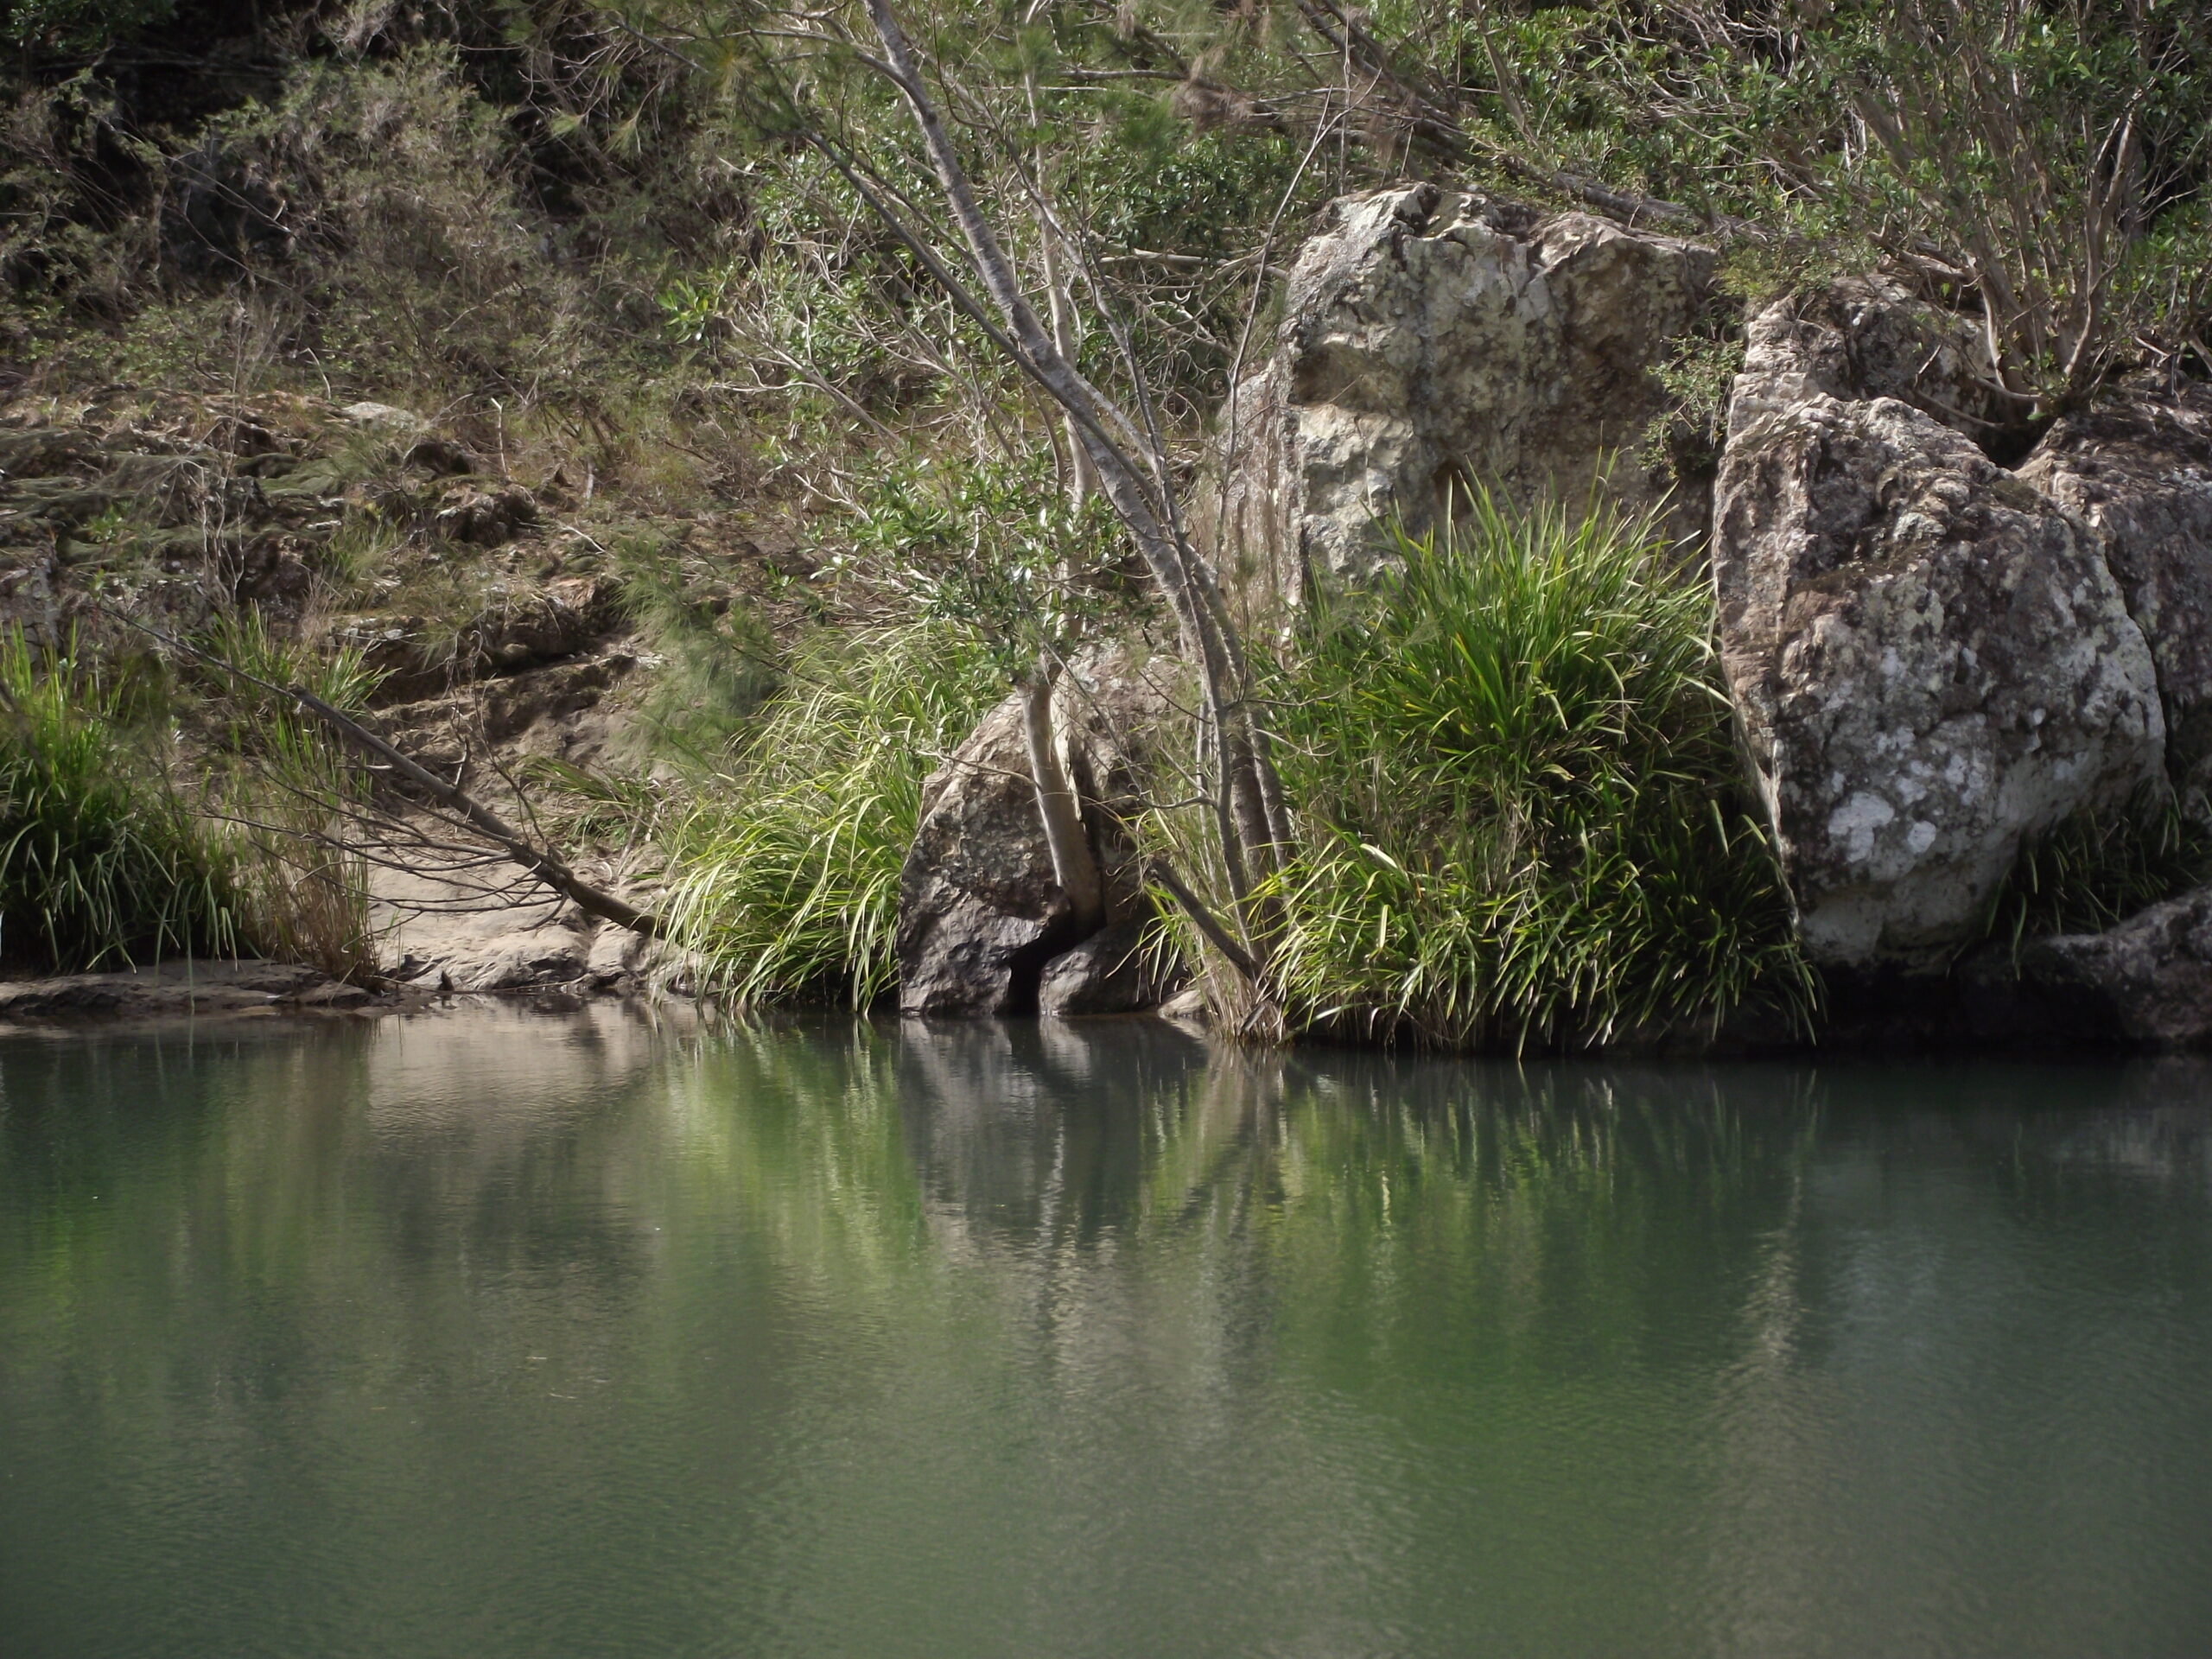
[
  {"x": 1431, "y": 339},
  {"x": 1930, "y": 661}
]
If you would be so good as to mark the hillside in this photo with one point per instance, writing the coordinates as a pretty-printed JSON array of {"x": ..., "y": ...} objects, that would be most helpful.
[{"x": 564, "y": 391}]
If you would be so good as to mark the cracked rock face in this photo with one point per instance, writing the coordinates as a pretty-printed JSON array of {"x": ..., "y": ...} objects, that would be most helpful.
[
  {"x": 1866, "y": 338},
  {"x": 1930, "y": 660},
  {"x": 2138, "y": 470},
  {"x": 1431, "y": 340}
]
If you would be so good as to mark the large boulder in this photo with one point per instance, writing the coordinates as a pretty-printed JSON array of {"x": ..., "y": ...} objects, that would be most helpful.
[
  {"x": 980, "y": 913},
  {"x": 1930, "y": 661},
  {"x": 1114, "y": 971},
  {"x": 1433, "y": 339},
  {"x": 2139, "y": 469}
]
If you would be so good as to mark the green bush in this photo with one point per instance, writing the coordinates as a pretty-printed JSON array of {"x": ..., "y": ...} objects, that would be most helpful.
[
  {"x": 77, "y": 25},
  {"x": 1523, "y": 822},
  {"x": 101, "y": 862},
  {"x": 284, "y": 791},
  {"x": 786, "y": 877}
]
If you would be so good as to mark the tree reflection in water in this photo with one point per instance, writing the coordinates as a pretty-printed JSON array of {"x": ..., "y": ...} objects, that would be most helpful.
[{"x": 599, "y": 1334}]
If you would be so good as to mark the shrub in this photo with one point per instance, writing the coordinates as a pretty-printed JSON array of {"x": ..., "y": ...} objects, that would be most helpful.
[
  {"x": 786, "y": 878},
  {"x": 101, "y": 862},
  {"x": 287, "y": 796},
  {"x": 1522, "y": 817}
]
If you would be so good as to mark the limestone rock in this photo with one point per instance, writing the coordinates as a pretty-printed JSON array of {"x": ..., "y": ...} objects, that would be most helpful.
[
  {"x": 979, "y": 912},
  {"x": 512, "y": 958},
  {"x": 1865, "y": 338},
  {"x": 2139, "y": 469},
  {"x": 1110, "y": 972},
  {"x": 617, "y": 957},
  {"x": 2151, "y": 976},
  {"x": 385, "y": 415},
  {"x": 1930, "y": 661},
  {"x": 1430, "y": 340}
]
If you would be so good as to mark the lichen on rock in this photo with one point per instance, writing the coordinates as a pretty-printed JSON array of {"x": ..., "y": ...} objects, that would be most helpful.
[
  {"x": 1930, "y": 660},
  {"x": 1436, "y": 341}
]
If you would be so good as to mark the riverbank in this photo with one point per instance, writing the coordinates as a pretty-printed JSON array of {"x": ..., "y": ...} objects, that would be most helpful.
[{"x": 189, "y": 990}]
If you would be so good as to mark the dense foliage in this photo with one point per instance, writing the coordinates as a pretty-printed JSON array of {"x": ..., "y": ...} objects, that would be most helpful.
[
  {"x": 786, "y": 876},
  {"x": 1526, "y": 822},
  {"x": 102, "y": 863},
  {"x": 619, "y": 251}
]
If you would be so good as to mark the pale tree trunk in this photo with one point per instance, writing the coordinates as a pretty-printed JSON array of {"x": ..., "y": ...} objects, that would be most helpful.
[
  {"x": 1075, "y": 865},
  {"x": 1082, "y": 477},
  {"x": 1248, "y": 804},
  {"x": 1060, "y": 301}
]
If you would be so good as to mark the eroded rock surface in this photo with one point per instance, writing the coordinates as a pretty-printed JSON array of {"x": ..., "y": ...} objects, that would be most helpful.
[
  {"x": 2151, "y": 976},
  {"x": 1930, "y": 660},
  {"x": 1866, "y": 338},
  {"x": 184, "y": 990},
  {"x": 1432, "y": 340},
  {"x": 1110, "y": 972},
  {"x": 979, "y": 912},
  {"x": 2139, "y": 469}
]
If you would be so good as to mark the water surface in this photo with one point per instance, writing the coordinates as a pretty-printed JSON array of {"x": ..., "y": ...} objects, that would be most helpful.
[{"x": 496, "y": 1334}]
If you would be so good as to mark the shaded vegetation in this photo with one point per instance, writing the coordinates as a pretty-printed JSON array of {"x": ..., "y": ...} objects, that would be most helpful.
[
  {"x": 638, "y": 330},
  {"x": 102, "y": 863},
  {"x": 2098, "y": 868}
]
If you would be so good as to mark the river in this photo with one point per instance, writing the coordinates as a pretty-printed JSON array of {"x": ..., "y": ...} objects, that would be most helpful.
[{"x": 485, "y": 1333}]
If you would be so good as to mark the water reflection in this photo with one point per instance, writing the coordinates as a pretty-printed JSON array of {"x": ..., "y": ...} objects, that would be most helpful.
[{"x": 497, "y": 1334}]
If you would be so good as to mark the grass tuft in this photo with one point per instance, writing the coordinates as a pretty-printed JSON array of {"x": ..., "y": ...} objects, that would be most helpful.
[
  {"x": 2096, "y": 870},
  {"x": 1524, "y": 819},
  {"x": 785, "y": 879},
  {"x": 102, "y": 864}
]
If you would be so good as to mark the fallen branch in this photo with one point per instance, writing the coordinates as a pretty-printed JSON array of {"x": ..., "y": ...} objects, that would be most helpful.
[
  {"x": 535, "y": 859},
  {"x": 1206, "y": 922}
]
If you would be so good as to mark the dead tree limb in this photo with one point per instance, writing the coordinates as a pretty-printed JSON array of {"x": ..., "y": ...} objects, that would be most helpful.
[{"x": 534, "y": 858}]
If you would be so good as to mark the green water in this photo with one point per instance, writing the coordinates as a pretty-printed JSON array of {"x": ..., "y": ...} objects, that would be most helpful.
[{"x": 487, "y": 1335}]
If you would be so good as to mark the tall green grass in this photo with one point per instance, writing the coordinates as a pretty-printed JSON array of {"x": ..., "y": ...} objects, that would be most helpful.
[
  {"x": 784, "y": 878},
  {"x": 102, "y": 862},
  {"x": 1522, "y": 817},
  {"x": 2096, "y": 869}
]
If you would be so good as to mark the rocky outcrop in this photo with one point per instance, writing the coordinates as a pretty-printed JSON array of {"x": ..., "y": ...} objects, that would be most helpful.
[
  {"x": 186, "y": 990},
  {"x": 440, "y": 930},
  {"x": 1865, "y": 338},
  {"x": 2150, "y": 979},
  {"x": 2138, "y": 470},
  {"x": 1433, "y": 340},
  {"x": 526, "y": 626},
  {"x": 1930, "y": 661},
  {"x": 979, "y": 912}
]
